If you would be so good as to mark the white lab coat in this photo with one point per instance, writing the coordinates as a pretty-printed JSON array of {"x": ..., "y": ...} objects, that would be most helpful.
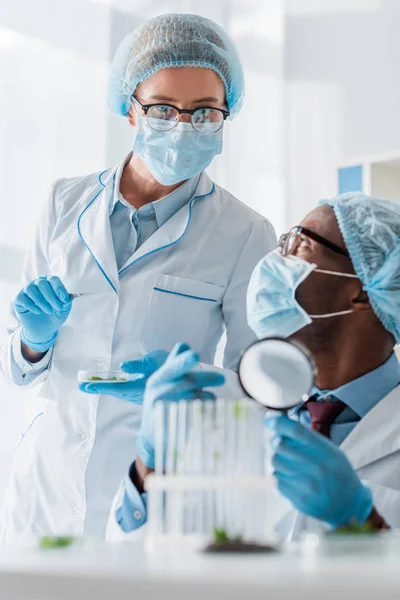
[
  {"x": 373, "y": 448},
  {"x": 186, "y": 282}
]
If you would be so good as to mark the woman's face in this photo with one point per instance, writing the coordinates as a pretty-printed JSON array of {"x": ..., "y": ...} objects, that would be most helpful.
[{"x": 183, "y": 87}]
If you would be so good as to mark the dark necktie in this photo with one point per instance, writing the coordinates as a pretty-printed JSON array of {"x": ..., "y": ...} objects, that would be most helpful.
[{"x": 323, "y": 414}]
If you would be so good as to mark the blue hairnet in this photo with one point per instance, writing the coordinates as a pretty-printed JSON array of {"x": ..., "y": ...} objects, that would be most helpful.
[
  {"x": 174, "y": 40},
  {"x": 371, "y": 231}
]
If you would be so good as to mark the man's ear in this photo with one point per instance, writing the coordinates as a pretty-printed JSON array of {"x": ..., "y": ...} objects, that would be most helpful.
[{"x": 360, "y": 301}]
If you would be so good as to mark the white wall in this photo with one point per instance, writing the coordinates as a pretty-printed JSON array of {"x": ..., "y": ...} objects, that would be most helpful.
[
  {"x": 342, "y": 92},
  {"x": 385, "y": 179}
]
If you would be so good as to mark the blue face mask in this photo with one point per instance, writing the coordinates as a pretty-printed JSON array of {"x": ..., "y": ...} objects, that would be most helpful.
[
  {"x": 272, "y": 308},
  {"x": 178, "y": 154}
]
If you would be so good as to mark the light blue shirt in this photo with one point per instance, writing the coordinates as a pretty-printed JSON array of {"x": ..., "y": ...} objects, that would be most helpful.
[
  {"x": 132, "y": 512},
  {"x": 360, "y": 396},
  {"x": 130, "y": 228}
]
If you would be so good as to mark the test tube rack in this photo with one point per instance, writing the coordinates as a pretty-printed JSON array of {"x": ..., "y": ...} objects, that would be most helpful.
[{"x": 210, "y": 476}]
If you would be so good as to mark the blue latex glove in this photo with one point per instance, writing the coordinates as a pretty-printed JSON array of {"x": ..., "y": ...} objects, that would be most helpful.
[
  {"x": 131, "y": 391},
  {"x": 178, "y": 379},
  {"x": 315, "y": 475},
  {"x": 42, "y": 307}
]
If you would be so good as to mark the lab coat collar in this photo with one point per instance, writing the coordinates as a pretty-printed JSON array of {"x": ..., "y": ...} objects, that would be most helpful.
[
  {"x": 115, "y": 181},
  {"x": 94, "y": 227},
  {"x": 95, "y": 230},
  {"x": 362, "y": 394},
  {"x": 377, "y": 434},
  {"x": 174, "y": 228},
  {"x": 165, "y": 207}
]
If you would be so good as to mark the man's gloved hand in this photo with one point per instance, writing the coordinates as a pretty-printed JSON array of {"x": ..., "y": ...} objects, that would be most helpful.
[
  {"x": 131, "y": 391},
  {"x": 42, "y": 307},
  {"x": 178, "y": 379},
  {"x": 315, "y": 475}
]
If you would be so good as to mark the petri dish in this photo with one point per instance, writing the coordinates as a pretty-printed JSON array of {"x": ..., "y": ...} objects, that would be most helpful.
[{"x": 105, "y": 377}]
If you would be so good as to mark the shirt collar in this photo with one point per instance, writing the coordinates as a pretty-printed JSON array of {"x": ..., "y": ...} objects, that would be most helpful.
[
  {"x": 164, "y": 208},
  {"x": 169, "y": 205},
  {"x": 363, "y": 393}
]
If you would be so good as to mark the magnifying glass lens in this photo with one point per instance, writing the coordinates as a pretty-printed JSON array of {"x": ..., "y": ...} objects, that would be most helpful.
[{"x": 277, "y": 373}]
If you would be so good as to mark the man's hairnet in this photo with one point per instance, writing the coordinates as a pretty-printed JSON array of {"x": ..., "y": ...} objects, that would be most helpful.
[
  {"x": 371, "y": 231},
  {"x": 175, "y": 40}
]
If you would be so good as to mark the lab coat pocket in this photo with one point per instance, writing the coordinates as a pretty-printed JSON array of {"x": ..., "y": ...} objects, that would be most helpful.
[{"x": 181, "y": 310}]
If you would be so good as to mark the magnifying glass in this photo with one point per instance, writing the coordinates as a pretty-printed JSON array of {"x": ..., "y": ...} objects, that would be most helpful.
[{"x": 277, "y": 373}]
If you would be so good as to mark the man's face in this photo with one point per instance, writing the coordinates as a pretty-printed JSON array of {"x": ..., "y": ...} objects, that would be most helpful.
[{"x": 321, "y": 293}]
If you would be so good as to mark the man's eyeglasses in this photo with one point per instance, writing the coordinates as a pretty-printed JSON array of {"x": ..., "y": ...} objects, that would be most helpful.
[
  {"x": 289, "y": 242},
  {"x": 163, "y": 117}
]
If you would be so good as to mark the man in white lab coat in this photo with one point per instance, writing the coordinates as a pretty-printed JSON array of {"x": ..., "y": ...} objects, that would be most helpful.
[
  {"x": 160, "y": 253},
  {"x": 334, "y": 285}
]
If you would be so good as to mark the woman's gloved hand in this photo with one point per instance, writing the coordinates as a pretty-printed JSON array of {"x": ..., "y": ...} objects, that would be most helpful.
[
  {"x": 42, "y": 307},
  {"x": 178, "y": 379},
  {"x": 131, "y": 391},
  {"x": 316, "y": 476}
]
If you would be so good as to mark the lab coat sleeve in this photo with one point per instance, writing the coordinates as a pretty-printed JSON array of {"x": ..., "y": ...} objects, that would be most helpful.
[
  {"x": 128, "y": 514},
  {"x": 14, "y": 367},
  {"x": 386, "y": 502},
  {"x": 239, "y": 336}
]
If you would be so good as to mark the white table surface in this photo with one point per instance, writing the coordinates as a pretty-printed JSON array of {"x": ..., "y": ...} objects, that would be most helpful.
[{"x": 102, "y": 571}]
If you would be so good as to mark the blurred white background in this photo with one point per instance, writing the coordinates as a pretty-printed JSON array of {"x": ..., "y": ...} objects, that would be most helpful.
[{"x": 323, "y": 90}]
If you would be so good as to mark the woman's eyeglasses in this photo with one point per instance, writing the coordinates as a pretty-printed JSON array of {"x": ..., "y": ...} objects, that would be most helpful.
[{"x": 164, "y": 117}]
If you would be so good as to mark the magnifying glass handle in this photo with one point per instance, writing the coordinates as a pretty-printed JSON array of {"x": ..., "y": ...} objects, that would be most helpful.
[{"x": 268, "y": 435}]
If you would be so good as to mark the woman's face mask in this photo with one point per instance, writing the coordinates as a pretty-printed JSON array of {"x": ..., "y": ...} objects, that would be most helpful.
[
  {"x": 178, "y": 154},
  {"x": 272, "y": 308}
]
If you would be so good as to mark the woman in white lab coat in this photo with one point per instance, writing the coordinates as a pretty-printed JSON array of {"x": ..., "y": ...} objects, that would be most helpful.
[{"x": 166, "y": 255}]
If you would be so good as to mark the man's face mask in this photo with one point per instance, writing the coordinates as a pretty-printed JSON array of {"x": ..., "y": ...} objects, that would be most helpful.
[{"x": 272, "y": 308}]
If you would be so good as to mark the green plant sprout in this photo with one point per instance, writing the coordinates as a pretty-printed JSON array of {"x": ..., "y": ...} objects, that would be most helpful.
[
  {"x": 223, "y": 543},
  {"x": 56, "y": 542},
  {"x": 95, "y": 378},
  {"x": 221, "y": 537},
  {"x": 239, "y": 412},
  {"x": 354, "y": 529}
]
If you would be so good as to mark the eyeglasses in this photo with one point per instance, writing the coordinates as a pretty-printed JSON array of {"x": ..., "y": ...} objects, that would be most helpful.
[
  {"x": 289, "y": 242},
  {"x": 163, "y": 117}
]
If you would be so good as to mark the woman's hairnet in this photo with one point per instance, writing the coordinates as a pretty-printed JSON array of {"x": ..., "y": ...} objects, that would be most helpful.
[
  {"x": 371, "y": 231},
  {"x": 174, "y": 40}
]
